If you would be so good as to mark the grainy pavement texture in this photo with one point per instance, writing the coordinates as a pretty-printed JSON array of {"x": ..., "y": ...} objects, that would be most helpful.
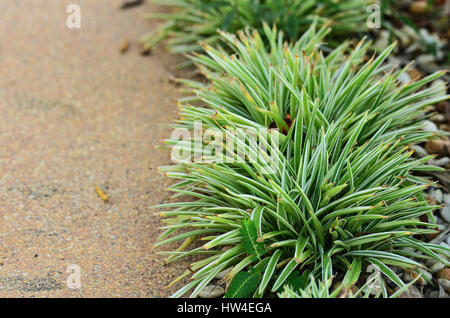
[{"x": 75, "y": 114}]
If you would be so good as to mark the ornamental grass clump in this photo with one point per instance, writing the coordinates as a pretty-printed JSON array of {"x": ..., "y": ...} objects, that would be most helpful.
[
  {"x": 329, "y": 189},
  {"x": 192, "y": 21}
]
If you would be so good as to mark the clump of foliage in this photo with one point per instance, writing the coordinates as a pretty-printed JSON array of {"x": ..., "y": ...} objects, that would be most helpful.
[
  {"x": 312, "y": 288},
  {"x": 343, "y": 194},
  {"x": 198, "y": 20}
]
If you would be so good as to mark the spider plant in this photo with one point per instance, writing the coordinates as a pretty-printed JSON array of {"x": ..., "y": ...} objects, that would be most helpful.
[
  {"x": 334, "y": 190},
  {"x": 192, "y": 21}
]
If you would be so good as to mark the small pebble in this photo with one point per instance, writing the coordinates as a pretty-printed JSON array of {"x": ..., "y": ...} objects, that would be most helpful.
[
  {"x": 438, "y": 146},
  {"x": 430, "y": 262},
  {"x": 428, "y": 125},
  {"x": 446, "y": 198},
  {"x": 444, "y": 283},
  {"x": 410, "y": 32},
  {"x": 414, "y": 73},
  {"x": 442, "y": 292},
  {"x": 212, "y": 291},
  {"x": 440, "y": 84},
  {"x": 433, "y": 294},
  {"x": 405, "y": 40},
  {"x": 438, "y": 118},
  {"x": 412, "y": 292},
  {"x": 420, "y": 152},
  {"x": 383, "y": 41},
  {"x": 425, "y": 59},
  {"x": 444, "y": 273},
  {"x": 445, "y": 213},
  {"x": 436, "y": 194},
  {"x": 418, "y": 7},
  {"x": 436, "y": 267},
  {"x": 223, "y": 273},
  {"x": 404, "y": 78}
]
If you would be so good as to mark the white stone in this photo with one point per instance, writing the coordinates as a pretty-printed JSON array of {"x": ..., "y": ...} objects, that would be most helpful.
[
  {"x": 446, "y": 198},
  {"x": 411, "y": 292},
  {"x": 426, "y": 59},
  {"x": 428, "y": 125},
  {"x": 212, "y": 291},
  {"x": 419, "y": 151},
  {"x": 413, "y": 47},
  {"x": 444, "y": 283},
  {"x": 436, "y": 194},
  {"x": 430, "y": 262},
  {"x": 443, "y": 293},
  {"x": 223, "y": 273},
  {"x": 438, "y": 117},
  {"x": 445, "y": 213},
  {"x": 404, "y": 78},
  {"x": 383, "y": 41},
  {"x": 440, "y": 84},
  {"x": 410, "y": 32},
  {"x": 436, "y": 267}
]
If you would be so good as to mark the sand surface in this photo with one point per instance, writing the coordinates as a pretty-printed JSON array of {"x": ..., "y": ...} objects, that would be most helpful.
[{"x": 75, "y": 113}]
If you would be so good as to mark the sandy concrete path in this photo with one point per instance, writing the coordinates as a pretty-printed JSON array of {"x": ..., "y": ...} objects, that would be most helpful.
[{"x": 74, "y": 113}]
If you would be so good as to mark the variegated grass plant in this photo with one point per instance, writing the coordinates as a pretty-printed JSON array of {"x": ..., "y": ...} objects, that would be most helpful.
[
  {"x": 312, "y": 288},
  {"x": 192, "y": 21},
  {"x": 344, "y": 193}
]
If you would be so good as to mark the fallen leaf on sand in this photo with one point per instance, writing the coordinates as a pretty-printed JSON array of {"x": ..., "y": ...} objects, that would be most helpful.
[
  {"x": 130, "y": 4},
  {"x": 101, "y": 194},
  {"x": 124, "y": 47}
]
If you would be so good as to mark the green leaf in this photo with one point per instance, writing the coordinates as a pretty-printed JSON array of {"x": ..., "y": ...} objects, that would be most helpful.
[
  {"x": 387, "y": 271},
  {"x": 352, "y": 275},
  {"x": 269, "y": 271},
  {"x": 297, "y": 281},
  {"x": 284, "y": 274},
  {"x": 244, "y": 284},
  {"x": 249, "y": 238}
]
